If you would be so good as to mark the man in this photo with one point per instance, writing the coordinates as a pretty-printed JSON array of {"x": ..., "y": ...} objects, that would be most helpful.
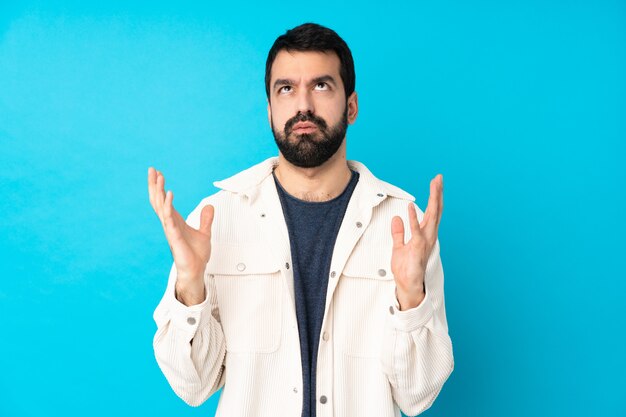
[{"x": 296, "y": 287}]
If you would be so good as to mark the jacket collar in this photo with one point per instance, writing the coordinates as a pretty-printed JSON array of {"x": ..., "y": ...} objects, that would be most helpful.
[{"x": 247, "y": 181}]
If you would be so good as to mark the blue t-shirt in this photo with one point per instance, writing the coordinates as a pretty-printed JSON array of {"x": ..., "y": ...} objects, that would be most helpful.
[{"x": 313, "y": 228}]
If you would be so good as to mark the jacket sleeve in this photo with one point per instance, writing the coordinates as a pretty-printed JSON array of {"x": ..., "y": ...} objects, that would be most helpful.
[
  {"x": 189, "y": 342},
  {"x": 417, "y": 351}
]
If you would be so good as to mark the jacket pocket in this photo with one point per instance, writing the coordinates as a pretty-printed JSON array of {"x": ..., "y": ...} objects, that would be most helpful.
[
  {"x": 249, "y": 297},
  {"x": 364, "y": 294}
]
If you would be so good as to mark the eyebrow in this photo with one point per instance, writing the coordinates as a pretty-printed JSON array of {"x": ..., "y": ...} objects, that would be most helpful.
[{"x": 322, "y": 78}]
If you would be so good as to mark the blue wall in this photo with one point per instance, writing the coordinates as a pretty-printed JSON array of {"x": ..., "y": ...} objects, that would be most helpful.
[{"x": 521, "y": 105}]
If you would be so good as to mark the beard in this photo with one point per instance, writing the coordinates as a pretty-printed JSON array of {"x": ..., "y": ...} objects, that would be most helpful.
[{"x": 309, "y": 150}]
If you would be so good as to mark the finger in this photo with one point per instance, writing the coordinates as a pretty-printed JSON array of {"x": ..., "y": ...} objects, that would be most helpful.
[
  {"x": 415, "y": 226},
  {"x": 440, "y": 199},
  {"x": 151, "y": 186},
  {"x": 397, "y": 232},
  {"x": 206, "y": 219},
  {"x": 433, "y": 210},
  {"x": 160, "y": 194},
  {"x": 173, "y": 222},
  {"x": 168, "y": 221},
  {"x": 433, "y": 199},
  {"x": 439, "y": 178}
]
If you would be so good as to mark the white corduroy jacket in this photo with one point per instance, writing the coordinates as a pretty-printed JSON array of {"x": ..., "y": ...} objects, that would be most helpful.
[{"x": 373, "y": 359}]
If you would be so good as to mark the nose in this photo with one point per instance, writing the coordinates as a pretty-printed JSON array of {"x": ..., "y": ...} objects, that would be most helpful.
[{"x": 305, "y": 102}]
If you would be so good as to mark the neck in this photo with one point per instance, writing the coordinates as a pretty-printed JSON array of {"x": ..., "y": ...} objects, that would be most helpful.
[{"x": 321, "y": 183}]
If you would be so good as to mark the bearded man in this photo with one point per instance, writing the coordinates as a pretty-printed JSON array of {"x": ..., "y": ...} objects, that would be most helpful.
[{"x": 305, "y": 286}]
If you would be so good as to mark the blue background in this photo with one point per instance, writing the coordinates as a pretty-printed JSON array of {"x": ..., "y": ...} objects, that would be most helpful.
[{"x": 521, "y": 106}]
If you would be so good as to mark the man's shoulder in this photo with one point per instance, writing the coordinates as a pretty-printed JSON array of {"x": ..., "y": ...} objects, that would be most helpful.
[
  {"x": 382, "y": 188},
  {"x": 249, "y": 177},
  {"x": 236, "y": 184},
  {"x": 396, "y": 192}
]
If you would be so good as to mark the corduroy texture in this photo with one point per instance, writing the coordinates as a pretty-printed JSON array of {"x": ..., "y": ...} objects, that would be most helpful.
[{"x": 375, "y": 361}]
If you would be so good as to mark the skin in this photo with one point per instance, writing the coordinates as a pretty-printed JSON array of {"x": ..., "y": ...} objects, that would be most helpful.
[
  {"x": 303, "y": 92},
  {"x": 326, "y": 100}
]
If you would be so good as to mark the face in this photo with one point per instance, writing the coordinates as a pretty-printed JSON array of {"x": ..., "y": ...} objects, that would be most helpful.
[{"x": 307, "y": 109}]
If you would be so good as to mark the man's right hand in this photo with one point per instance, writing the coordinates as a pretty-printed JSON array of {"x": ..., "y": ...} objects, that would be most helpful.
[{"x": 191, "y": 248}]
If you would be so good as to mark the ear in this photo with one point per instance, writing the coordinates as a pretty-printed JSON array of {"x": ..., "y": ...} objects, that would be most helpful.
[
  {"x": 353, "y": 107},
  {"x": 269, "y": 113}
]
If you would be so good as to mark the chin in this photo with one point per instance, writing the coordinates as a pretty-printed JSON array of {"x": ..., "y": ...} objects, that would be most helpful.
[{"x": 312, "y": 137}]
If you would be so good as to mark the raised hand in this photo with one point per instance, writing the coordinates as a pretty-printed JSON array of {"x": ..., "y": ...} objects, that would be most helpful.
[
  {"x": 191, "y": 248},
  {"x": 408, "y": 261}
]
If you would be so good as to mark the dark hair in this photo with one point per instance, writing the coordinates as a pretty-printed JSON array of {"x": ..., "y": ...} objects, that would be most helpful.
[{"x": 313, "y": 37}]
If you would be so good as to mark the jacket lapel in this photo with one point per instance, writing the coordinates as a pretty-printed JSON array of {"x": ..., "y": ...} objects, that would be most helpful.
[
  {"x": 275, "y": 228},
  {"x": 359, "y": 211}
]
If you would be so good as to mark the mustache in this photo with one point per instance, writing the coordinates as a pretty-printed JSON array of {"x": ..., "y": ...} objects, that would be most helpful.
[{"x": 308, "y": 117}]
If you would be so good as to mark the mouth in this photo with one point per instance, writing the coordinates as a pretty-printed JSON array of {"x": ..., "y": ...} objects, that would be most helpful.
[
  {"x": 305, "y": 130},
  {"x": 304, "y": 127}
]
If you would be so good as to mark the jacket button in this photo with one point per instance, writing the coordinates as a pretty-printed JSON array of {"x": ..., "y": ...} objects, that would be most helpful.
[
  {"x": 391, "y": 311},
  {"x": 333, "y": 274},
  {"x": 241, "y": 267},
  {"x": 287, "y": 265},
  {"x": 295, "y": 390},
  {"x": 379, "y": 195},
  {"x": 359, "y": 224},
  {"x": 323, "y": 399},
  {"x": 382, "y": 272},
  {"x": 325, "y": 336},
  {"x": 191, "y": 320}
]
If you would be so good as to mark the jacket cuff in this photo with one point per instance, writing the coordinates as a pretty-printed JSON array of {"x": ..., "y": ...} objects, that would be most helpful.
[
  {"x": 188, "y": 318},
  {"x": 413, "y": 318}
]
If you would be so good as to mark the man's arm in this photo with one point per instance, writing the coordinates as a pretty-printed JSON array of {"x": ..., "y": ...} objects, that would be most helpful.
[
  {"x": 417, "y": 352},
  {"x": 189, "y": 344},
  {"x": 194, "y": 370}
]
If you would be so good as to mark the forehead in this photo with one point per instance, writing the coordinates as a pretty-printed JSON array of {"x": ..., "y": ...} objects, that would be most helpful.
[{"x": 307, "y": 64}]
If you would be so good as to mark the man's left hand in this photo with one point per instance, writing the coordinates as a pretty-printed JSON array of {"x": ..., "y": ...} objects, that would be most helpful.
[{"x": 408, "y": 260}]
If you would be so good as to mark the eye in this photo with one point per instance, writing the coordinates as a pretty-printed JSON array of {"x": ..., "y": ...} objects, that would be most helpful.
[
  {"x": 282, "y": 89},
  {"x": 322, "y": 85}
]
